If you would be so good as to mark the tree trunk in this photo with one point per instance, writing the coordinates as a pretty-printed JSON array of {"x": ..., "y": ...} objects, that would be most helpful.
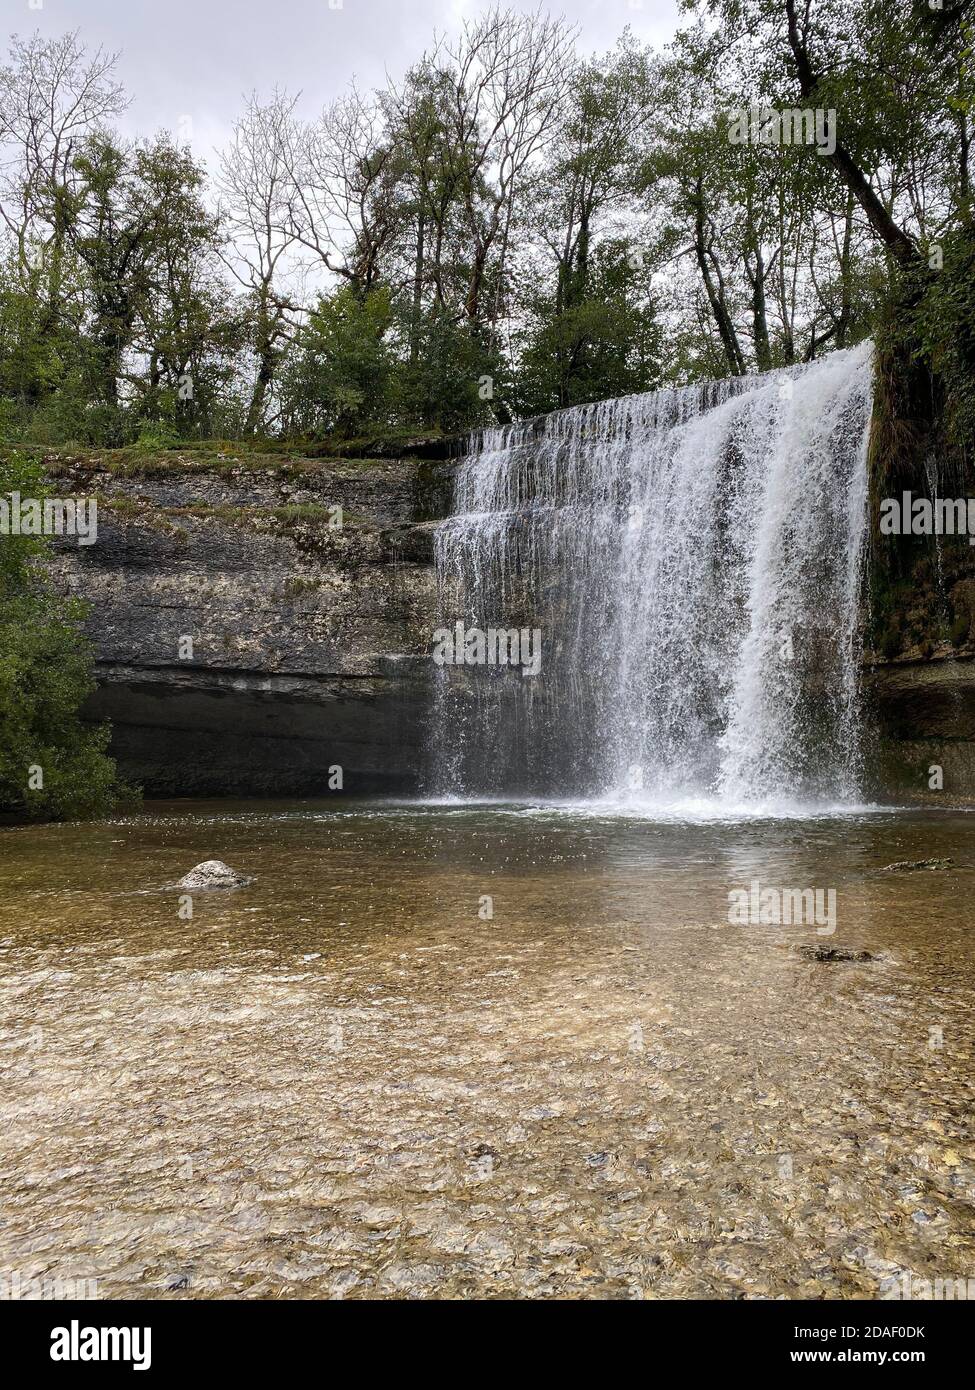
[
  {"x": 418, "y": 277},
  {"x": 265, "y": 367},
  {"x": 756, "y": 278},
  {"x": 726, "y": 329},
  {"x": 898, "y": 243}
]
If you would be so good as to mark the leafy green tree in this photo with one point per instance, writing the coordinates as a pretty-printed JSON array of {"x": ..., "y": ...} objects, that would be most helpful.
[
  {"x": 147, "y": 243},
  {"x": 340, "y": 376},
  {"x": 605, "y": 342},
  {"x": 450, "y": 379},
  {"x": 52, "y": 765}
]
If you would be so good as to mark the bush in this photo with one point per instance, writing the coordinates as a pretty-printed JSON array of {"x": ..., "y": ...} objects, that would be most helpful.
[
  {"x": 450, "y": 381},
  {"x": 339, "y": 379},
  {"x": 158, "y": 435},
  {"x": 52, "y": 765},
  {"x": 354, "y": 372}
]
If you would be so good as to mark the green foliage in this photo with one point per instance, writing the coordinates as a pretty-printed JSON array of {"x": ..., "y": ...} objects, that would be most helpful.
[
  {"x": 504, "y": 230},
  {"x": 45, "y": 675},
  {"x": 351, "y": 372},
  {"x": 451, "y": 379},
  {"x": 945, "y": 328},
  {"x": 339, "y": 380},
  {"x": 605, "y": 343},
  {"x": 119, "y": 319},
  {"x": 159, "y": 435}
]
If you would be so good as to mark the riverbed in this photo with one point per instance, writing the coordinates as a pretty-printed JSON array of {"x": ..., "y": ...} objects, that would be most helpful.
[{"x": 484, "y": 1051}]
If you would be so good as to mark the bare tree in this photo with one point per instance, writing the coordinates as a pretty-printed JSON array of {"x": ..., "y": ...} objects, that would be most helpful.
[
  {"x": 507, "y": 75},
  {"x": 342, "y": 203},
  {"x": 256, "y": 198},
  {"x": 53, "y": 94}
]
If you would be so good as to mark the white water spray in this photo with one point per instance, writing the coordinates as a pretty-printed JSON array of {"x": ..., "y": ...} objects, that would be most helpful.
[{"x": 693, "y": 559}]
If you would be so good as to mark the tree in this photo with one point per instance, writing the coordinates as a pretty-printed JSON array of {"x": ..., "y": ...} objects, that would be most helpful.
[
  {"x": 594, "y": 330},
  {"x": 53, "y": 96},
  {"x": 506, "y": 76},
  {"x": 256, "y": 199},
  {"x": 606, "y": 342},
  {"x": 140, "y": 229},
  {"x": 342, "y": 205},
  {"x": 52, "y": 765},
  {"x": 339, "y": 378}
]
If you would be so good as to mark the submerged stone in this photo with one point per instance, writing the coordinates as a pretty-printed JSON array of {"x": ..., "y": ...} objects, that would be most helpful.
[
  {"x": 834, "y": 953},
  {"x": 908, "y": 865}
]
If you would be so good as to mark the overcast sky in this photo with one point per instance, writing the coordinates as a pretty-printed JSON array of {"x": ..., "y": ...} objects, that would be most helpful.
[{"x": 186, "y": 63}]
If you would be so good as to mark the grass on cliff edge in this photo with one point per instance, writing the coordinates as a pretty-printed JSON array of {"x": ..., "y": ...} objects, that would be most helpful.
[{"x": 302, "y": 456}]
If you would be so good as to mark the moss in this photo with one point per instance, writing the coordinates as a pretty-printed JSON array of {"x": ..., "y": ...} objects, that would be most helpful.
[
  {"x": 923, "y": 433},
  {"x": 137, "y": 463},
  {"x": 131, "y": 509},
  {"x": 285, "y": 517},
  {"x": 297, "y": 585},
  {"x": 891, "y": 642},
  {"x": 959, "y": 630}
]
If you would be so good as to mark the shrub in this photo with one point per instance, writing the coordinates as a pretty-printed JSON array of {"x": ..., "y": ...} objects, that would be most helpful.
[{"x": 46, "y": 666}]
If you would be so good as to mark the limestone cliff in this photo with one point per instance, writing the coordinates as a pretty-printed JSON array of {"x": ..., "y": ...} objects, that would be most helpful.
[
  {"x": 259, "y": 620},
  {"x": 922, "y": 713}
]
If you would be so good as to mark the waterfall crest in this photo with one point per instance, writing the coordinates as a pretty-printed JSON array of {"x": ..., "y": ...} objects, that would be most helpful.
[{"x": 693, "y": 560}]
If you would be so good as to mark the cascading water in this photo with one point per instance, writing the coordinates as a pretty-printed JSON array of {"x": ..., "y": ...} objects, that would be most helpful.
[{"x": 693, "y": 561}]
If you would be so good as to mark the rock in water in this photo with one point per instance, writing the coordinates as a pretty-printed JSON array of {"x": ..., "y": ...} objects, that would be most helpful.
[
  {"x": 833, "y": 953},
  {"x": 212, "y": 873},
  {"x": 904, "y": 866}
]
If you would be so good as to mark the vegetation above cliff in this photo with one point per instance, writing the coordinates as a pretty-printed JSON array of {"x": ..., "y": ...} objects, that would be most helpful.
[{"x": 507, "y": 227}]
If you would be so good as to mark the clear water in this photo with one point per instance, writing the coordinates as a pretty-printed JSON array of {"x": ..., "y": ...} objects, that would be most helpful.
[{"x": 345, "y": 1081}]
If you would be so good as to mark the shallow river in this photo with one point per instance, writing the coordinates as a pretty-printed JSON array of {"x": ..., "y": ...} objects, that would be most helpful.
[{"x": 351, "y": 1080}]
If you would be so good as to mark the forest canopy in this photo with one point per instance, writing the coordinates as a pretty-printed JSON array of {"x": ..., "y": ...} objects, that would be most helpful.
[{"x": 508, "y": 227}]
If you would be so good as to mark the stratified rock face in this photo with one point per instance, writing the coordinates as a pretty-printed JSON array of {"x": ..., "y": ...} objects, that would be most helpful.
[
  {"x": 250, "y": 638},
  {"x": 924, "y": 716},
  {"x": 247, "y": 645}
]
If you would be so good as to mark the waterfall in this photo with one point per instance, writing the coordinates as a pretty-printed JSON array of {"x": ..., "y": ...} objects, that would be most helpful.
[{"x": 693, "y": 560}]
